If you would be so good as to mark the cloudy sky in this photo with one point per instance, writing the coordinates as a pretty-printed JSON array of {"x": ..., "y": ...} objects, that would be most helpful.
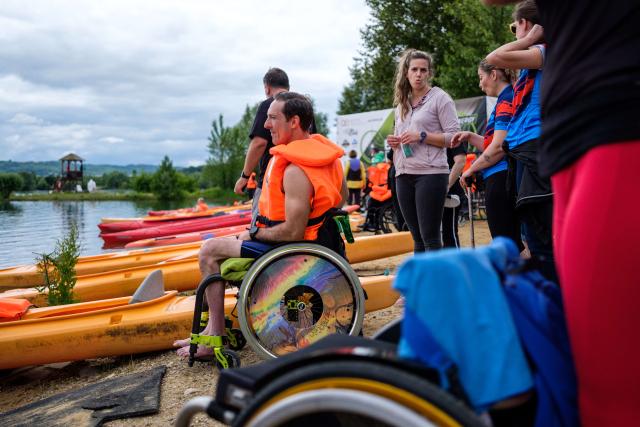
[{"x": 124, "y": 82}]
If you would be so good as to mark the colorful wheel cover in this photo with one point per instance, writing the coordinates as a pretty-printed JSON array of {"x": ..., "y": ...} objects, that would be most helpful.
[{"x": 297, "y": 300}]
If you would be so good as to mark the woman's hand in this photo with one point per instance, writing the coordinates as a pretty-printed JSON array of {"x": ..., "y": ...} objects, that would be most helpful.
[
  {"x": 459, "y": 138},
  {"x": 393, "y": 141},
  {"x": 466, "y": 174},
  {"x": 535, "y": 35},
  {"x": 409, "y": 137}
]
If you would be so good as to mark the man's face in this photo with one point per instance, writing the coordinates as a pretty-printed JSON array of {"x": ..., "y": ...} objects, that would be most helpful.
[{"x": 280, "y": 128}]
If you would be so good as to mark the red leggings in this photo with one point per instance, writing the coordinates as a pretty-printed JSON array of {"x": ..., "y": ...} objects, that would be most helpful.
[{"x": 597, "y": 247}]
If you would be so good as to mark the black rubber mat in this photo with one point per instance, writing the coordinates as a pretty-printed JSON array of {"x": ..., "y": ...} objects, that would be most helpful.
[{"x": 123, "y": 397}]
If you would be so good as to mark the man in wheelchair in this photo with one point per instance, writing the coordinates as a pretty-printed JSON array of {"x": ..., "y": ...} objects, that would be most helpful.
[{"x": 303, "y": 183}]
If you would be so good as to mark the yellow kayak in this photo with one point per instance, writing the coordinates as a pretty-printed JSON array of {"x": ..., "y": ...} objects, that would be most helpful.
[
  {"x": 111, "y": 327},
  {"x": 26, "y": 276}
]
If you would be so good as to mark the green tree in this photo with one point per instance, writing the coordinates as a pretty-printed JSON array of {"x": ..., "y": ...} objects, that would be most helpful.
[
  {"x": 142, "y": 182},
  {"x": 9, "y": 182},
  {"x": 457, "y": 33},
  {"x": 164, "y": 182},
  {"x": 227, "y": 147},
  {"x": 29, "y": 181},
  {"x": 114, "y": 180}
]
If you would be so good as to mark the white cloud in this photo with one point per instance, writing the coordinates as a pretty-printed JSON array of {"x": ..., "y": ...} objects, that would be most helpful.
[
  {"x": 25, "y": 119},
  {"x": 112, "y": 140},
  {"x": 150, "y": 76}
]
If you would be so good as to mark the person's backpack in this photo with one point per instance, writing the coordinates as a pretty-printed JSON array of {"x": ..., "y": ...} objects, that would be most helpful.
[{"x": 354, "y": 174}]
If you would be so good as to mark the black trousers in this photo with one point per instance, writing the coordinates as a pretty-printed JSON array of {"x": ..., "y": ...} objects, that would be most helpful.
[
  {"x": 501, "y": 210},
  {"x": 354, "y": 196},
  {"x": 421, "y": 199}
]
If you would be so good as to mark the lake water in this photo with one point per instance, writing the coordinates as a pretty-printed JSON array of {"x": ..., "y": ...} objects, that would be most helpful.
[{"x": 29, "y": 228}]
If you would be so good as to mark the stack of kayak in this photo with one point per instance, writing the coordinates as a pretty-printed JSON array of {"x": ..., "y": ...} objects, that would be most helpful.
[
  {"x": 173, "y": 229},
  {"x": 104, "y": 324},
  {"x": 116, "y": 232}
]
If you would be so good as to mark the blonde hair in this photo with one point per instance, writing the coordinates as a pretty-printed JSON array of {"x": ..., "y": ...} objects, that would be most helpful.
[{"x": 402, "y": 88}]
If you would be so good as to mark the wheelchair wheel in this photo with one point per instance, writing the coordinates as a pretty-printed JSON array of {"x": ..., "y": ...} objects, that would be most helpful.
[
  {"x": 295, "y": 295},
  {"x": 315, "y": 395},
  {"x": 387, "y": 218}
]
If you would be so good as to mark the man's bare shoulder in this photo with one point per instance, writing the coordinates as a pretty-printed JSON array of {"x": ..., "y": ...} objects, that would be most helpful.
[{"x": 296, "y": 180}]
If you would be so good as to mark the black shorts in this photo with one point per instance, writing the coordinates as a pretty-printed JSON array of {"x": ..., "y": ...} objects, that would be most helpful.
[{"x": 254, "y": 249}]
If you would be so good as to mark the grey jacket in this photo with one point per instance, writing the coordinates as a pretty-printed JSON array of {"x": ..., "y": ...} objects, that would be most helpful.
[{"x": 437, "y": 114}]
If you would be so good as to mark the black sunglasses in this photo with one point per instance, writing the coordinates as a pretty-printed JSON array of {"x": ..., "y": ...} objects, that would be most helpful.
[{"x": 512, "y": 27}]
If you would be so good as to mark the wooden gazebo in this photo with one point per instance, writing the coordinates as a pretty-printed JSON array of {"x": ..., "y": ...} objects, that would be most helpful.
[{"x": 71, "y": 169}]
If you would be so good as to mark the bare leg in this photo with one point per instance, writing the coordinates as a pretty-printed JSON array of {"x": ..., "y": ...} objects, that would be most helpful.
[{"x": 212, "y": 254}]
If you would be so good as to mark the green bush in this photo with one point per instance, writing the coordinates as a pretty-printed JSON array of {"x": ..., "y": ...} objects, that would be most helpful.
[
  {"x": 165, "y": 182},
  {"x": 59, "y": 269},
  {"x": 142, "y": 183},
  {"x": 9, "y": 182}
]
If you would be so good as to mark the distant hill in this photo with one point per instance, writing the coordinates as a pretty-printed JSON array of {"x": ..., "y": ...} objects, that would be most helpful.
[{"x": 53, "y": 168}]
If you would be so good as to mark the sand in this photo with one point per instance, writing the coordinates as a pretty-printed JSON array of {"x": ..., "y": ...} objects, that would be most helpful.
[{"x": 181, "y": 383}]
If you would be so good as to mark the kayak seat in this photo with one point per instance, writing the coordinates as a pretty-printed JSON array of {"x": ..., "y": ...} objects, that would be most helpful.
[{"x": 152, "y": 287}]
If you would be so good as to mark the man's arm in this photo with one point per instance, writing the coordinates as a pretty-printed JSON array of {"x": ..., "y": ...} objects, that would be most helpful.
[
  {"x": 297, "y": 207},
  {"x": 255, "y": 151},
  {"x": 344, "y": 192}
]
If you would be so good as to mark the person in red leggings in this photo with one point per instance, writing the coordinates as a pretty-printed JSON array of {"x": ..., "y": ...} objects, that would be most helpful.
[{"x": 590, "y": 144}]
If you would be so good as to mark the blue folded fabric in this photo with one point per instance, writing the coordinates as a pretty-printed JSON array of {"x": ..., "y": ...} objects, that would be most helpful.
[{"x": 455, "y": 297}]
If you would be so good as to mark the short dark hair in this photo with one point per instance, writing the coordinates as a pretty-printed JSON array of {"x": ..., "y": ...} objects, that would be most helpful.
[
  {"x": 299, "y": 105},
  {"x": 353, "y": 154},
  {"x": 527, "y": 10},
  {"x": 275, "y": 77}
]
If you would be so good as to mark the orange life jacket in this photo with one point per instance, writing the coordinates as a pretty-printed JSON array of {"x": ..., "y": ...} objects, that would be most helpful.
[
  {"x": 252, "y": 184},
  {"x": 318, "y": 157},
  {"x": 13, "y": 308},
  {"x": 378, "y": 181},
  {"x": 471, "y": 157}
]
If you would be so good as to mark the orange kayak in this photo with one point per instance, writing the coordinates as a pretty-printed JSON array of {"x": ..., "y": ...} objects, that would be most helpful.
[
  {"x": 182, "y": 273},
  {"x": 112, "y": 327},
  {"x": 26, "y": 276}
]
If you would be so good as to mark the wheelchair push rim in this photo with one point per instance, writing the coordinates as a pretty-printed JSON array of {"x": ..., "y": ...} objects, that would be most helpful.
[{"x": 297, "y": 294}]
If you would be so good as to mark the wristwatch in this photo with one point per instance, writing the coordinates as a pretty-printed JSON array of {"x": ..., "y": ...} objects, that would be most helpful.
[
  {"x": 243, "y": 175},
  {"x": 423, "y": 136}
]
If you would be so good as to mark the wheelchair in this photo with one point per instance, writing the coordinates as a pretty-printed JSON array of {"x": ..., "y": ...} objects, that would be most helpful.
[
  {"x": 289, "y": 298},
  {"x": 339, "y": 381},
  {"x": 380, "y": 217}
]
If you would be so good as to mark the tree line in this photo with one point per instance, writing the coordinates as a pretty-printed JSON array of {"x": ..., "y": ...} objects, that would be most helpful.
[
  {"x": 227, "y": 146},
  {"x": 457, "y": 33}
]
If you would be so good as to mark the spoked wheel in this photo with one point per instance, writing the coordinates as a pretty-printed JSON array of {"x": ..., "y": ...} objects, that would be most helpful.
[
  {"x": 297, "y": 294},
  {"x": 354, "y": 393}
]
